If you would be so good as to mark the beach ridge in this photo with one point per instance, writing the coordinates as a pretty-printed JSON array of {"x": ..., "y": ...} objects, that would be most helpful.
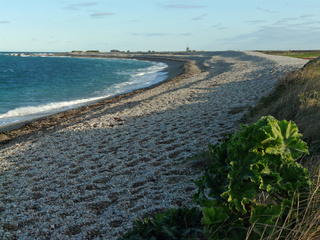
[{"x": 92, "y": 173}]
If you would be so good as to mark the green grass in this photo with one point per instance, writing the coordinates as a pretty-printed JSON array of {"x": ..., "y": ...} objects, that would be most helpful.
[
  {"x": 306, "y": 55},
  {"x": 296, "y": 98},
  {"x": 297, "y": 54}
]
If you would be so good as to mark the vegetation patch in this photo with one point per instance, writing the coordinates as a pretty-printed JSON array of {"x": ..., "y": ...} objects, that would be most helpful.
[
  {"x": 259, "y": 159},
  {"x": 305, "y": 54},
  {"x": 182, "y": 223},
  {"x": 297, "y": 98}
]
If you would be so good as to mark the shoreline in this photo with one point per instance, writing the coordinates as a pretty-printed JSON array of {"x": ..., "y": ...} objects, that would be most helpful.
[
  {"x": 174, "y": 69},
  {"x": 92, "y": 173}
]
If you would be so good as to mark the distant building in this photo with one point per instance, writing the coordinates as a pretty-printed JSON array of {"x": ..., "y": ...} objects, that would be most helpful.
[
  {"x": 115, "y": 51},
  {"x": 188, "y": 49}
]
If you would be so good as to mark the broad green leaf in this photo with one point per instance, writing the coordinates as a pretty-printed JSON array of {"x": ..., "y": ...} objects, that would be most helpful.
[
  {"x": 265, "y": 214},
  {"x": 294, "y": 176},
  {"x": 264, "y": 218},
  {"x": 240, "y": 194},
  {"x": 215, "y": 215},
  {"x": 284, "y": 139},
  {"x": 269, "y": 180}
]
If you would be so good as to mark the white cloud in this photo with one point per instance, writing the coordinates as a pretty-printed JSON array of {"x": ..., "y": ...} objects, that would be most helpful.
[
  {"x": 297, "y": 23},
  {"x": 256, "y": 21},
  {"x": 276, "y": 38},
  {"x": 200, "y": 17},
  {"x": 265, "y": 10},
  {"x": 101, "y": 14},
  {"x": 218, "y": 26},
  {"x": 4, "y": 22},
  {"x": 186, "y": 34},
  {"x": 81, "y": 5},
  {"x": 306, "y": 16}
]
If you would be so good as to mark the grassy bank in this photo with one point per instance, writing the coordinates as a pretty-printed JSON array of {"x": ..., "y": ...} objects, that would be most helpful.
[
  {"x": 297, "y": 54},
  {"x": 297, "y": 98}
]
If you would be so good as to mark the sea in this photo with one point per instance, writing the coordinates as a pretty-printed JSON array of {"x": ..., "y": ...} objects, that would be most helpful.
[{"x": 37, "y": 85}]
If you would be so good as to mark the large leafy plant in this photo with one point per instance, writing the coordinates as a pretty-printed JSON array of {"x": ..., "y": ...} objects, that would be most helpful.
[{"x": 260, "y": 158}]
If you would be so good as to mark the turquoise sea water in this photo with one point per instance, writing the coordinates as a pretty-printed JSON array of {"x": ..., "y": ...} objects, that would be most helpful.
[{"x": 34, "y": 86}]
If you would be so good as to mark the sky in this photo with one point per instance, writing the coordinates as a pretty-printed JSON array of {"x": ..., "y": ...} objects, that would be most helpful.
[{"x": 158, "y": 25}]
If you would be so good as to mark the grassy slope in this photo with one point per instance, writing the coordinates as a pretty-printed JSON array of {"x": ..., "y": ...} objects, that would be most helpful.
[
  {"x": 297, "y": 54},
  {"x": 297, "y": 98}
]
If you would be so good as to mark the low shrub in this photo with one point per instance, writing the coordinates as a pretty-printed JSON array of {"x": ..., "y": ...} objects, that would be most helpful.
[{"x": 259, "y": 159}]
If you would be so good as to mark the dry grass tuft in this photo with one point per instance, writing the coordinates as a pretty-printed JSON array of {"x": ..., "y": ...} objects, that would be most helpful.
[{"x": 303, "y": 220}]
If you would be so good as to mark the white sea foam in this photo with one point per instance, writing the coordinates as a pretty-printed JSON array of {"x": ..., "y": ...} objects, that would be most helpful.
[
  {"x": 152, "y": 74},
  {"x": 140, "y": 78},
  {"x": 31, "y": 112}
]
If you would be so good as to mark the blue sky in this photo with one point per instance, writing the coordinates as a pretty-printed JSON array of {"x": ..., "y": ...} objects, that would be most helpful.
[{"x": 159, "y": 25}]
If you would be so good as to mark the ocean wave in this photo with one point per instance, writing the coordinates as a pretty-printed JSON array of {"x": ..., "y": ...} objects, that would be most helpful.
[
  {"x": 152, "y": 73},
  {"x": 139, "y": 78},
  {"x": 46, "y": 108}
]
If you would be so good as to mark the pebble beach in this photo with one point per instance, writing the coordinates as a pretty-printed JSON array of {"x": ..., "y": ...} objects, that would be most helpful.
[{"x": 89, "y": 172}]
